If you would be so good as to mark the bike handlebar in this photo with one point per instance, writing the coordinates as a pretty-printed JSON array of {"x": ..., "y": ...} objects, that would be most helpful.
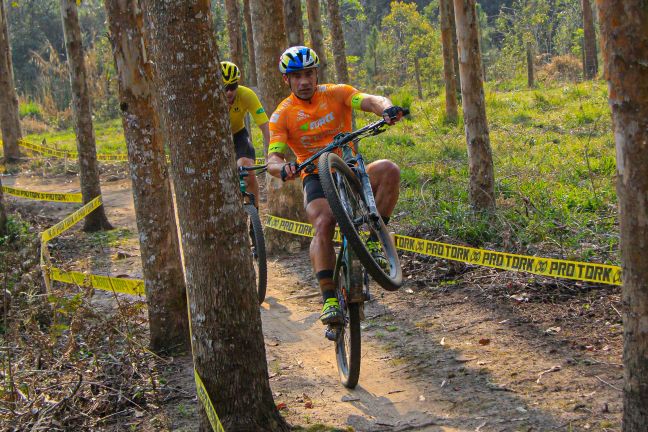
[{"x": 344, "y": 138}]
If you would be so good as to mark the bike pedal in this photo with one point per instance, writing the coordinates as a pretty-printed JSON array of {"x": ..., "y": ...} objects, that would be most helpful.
[{"x": 330, "y": 334}]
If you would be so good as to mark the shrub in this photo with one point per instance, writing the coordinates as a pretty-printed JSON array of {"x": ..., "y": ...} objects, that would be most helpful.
[{"x": 30, "y": 109}]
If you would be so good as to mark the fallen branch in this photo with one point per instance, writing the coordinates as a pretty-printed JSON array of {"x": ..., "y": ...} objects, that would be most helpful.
[{"x": 553, "y": 369}]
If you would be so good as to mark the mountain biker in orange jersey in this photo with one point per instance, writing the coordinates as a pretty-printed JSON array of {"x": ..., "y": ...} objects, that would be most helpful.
[
  {"x": 243, "y": 100},
  {"x": 306, "y": 121}
]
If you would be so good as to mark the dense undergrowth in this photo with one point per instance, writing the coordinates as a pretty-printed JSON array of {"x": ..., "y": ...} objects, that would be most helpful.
[{"x": 554, "y": 160}]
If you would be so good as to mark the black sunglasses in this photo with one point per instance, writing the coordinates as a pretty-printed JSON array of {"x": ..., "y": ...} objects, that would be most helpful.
[{"x": 231, "y": 87}]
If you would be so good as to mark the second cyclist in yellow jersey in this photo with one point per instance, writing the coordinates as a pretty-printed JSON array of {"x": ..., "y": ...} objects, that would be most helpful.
[{"x": 243, "y": 100}]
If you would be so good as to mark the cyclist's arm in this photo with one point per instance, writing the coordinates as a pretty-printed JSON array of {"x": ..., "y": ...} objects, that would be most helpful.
[
  {"x": 277, "y": 162},
  {"x": 265, "y": 130},
  {"x": 375, "y": 104}
]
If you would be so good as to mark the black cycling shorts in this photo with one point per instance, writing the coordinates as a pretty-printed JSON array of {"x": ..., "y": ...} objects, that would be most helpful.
[
  {"x": 313, "y": 188},
  {"x": 243, "y": 145}
]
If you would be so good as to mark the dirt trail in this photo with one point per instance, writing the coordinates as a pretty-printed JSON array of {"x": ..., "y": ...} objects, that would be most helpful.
[{"x": 434, "y": 358}]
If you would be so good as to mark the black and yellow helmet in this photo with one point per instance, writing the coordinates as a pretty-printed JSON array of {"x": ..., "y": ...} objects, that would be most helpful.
[{"x": 231, "y": 72}]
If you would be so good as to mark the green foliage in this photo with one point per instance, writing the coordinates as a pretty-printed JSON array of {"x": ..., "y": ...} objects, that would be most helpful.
[
  {"x": 17, "y": 229},
  {"x": 30, "y": 109}
]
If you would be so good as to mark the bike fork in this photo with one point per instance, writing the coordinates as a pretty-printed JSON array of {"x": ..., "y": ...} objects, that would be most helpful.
[{"x": 367, "y": 191}]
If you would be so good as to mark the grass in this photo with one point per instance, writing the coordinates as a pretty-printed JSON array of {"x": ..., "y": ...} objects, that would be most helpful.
[{"x": 554, "y": 161}]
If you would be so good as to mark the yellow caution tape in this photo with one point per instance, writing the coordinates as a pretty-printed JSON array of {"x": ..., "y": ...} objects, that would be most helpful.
[
  {"x": 203, "y": 397},
  {"x": 44, "y": 196},
  {"x": 298, "y": 228},
  {"x": 582, "y": 271},
  {"x": 62, "y": 154},
  {"x": 71, "y": 220},
  {"x": 105, "y": 283}
]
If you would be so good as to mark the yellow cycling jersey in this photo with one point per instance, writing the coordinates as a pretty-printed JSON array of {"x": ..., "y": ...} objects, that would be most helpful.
[{"x": 246, "y": 101}]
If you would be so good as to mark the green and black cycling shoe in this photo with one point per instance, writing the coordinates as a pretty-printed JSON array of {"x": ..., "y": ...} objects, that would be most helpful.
[
  {"x": 376, "y": 251},
  {"x": 331, "y": 312}
]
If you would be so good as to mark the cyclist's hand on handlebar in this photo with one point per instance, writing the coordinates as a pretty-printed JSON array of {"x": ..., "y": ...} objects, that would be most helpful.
[
  {"x": 289, "y": 171},
  {"x": 393, "y": 114}
]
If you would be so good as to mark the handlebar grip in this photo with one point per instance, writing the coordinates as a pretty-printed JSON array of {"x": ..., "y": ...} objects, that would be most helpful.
[{"x": 406, "y": 112}]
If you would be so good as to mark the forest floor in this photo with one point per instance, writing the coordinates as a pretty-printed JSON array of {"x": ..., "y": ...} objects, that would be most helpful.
[{"x": 457, "y": 348}]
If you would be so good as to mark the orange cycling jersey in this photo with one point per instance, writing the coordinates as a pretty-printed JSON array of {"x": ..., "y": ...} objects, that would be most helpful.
[{"x": 308, "y": 126}]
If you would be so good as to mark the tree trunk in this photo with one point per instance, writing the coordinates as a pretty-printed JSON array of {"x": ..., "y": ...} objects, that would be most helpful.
[
  {"x": 455, "y": 47},
  {"x": 530, "y": 71},
  {"x": 249, "y": 36},
  {"x": 235, "y": 35},
  {"x": 3, "y": 213},
  {"x": 590, "y": 66},
  {"x": 480, "y": 157},
  {"x": 284, "y": 199},
  {"x": 227, "y": 341},
  {"x": 159, "y": 246},
  {"x": 317, "y": 37},
  {"x": 417, "y": 75},
  {"x": 81, "y": 106},
  {"x": 339, "y": 49},
  {"x": 9, "y": 117},
  {"x": 624, "y": 43},
  {"x": 294, "y": 24},
  {"x": 446, "y": 16}
]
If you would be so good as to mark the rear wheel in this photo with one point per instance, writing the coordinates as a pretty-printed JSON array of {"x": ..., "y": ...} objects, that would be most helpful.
[
  {"x": 344, "y": 194},
  {"x": 348, "y": 343},
  {"x": 257, "y": 244}
]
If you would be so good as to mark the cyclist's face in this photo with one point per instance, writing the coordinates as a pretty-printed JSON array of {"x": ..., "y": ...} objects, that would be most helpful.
[
  {"x": 230, "y": 92},
  {"x": 302, "y": 83}
]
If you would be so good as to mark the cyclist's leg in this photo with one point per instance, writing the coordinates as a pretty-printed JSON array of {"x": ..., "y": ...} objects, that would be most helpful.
[
  {"x": 322, "y": 254},
  {"x": 246, "y": 156},
  {"x": 385, "y": 183}
]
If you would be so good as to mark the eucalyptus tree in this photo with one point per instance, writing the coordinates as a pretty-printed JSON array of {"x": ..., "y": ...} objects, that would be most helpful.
[
  {"x": 293, "y": 22},
  {"x": 624, "y": 42},
  {"x": 227, "y": 340},
  {"x": 480, "y": 157},
  {"x": 284, "y": 199},
  {"x": 249, "y": 40},
  {"x": 235, "y": 35},
  {"x": 339, "y": 47},
  {"x": 82, "y": 110},
  {"x": 317, "y": 36},
  {"x": 154, "y": 211},
  {"x": 9, "y": 110}
]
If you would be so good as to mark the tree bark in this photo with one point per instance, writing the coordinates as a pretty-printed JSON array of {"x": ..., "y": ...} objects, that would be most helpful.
[
  {"x": 446, "y": 16},
  {"x": 480, "y": 157},
  {"x": 339, "y": 48},
  {"x": 82, "y": 109},
  {"x": 158, "y": 234},
  {"x": 455, "y": 47},
  {"x": 249, "y": 37},
  {"x": 530, "y": 70},
  {"x": 293, "y": 21},
  {"x": 227, "y": 341},
  {"x": 9, "y": 117},
  {"x": 3, "y": 213},
  {"x": 284, "y": 199},
  {"x": 624, "y": 43},
  {"x": 417, "y": 75},
  {"x": 317, "y": 37},
  {"x": 590, "y": 65},
  {"x": 235, "y": 35}
]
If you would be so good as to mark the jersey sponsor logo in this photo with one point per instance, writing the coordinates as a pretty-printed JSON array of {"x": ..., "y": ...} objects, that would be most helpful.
[
  {"x": 301, "y": 115},
  {"x": 260, "y": 110},
  {"x": 328, "y": 118},
  {"x": 274, "y": 118}
]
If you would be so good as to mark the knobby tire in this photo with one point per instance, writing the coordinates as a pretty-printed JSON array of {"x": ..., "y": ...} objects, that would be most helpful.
[
  {"x": 259, "y": 242},
  {"x": 328, "y": 164}
]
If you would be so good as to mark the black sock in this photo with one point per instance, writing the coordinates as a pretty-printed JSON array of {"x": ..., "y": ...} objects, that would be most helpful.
[{"x": 325, "y": 279}]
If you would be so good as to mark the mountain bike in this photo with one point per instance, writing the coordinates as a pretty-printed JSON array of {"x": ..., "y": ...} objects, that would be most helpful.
[
  {"x": 255, "y": 230},
  {"x": 348, "y": 190}
]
